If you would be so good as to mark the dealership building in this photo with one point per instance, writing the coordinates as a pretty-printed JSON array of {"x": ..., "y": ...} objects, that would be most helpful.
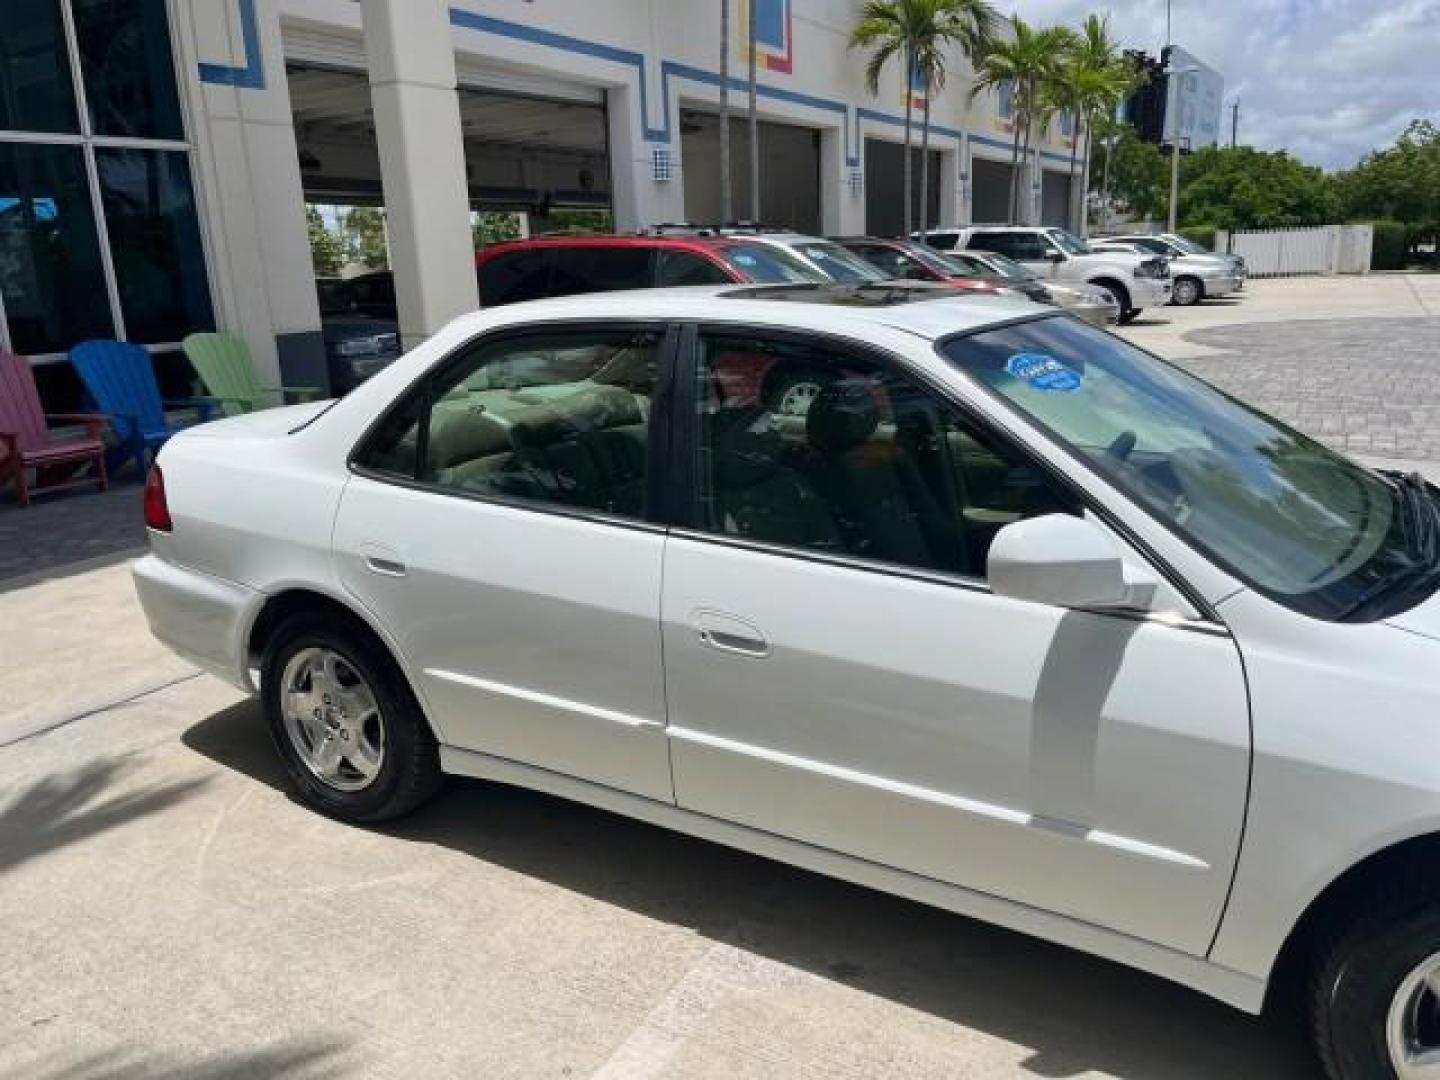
[{"x": 157, "y": 156}]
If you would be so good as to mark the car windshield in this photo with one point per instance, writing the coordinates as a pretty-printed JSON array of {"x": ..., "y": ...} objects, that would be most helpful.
[
  {"x": 840, "y": 265},
  {"x": 766, "y": 265},
  {"x": 1185, "y": 244},
  {"x": 957, "y": 262},
  {"x": 1069, "y": 242},
  {"x": 1148, "y": 243},
  {"x": 1298, "y": 522},
  {"x": 1008, "y": 266}
]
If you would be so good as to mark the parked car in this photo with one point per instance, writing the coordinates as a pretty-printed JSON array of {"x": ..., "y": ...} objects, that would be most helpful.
[
  {"x": 908, "y": 260},
  {"x": 825, "y": 257},
  {"x": 1134, "y": 281},
  {"x": 1194, "y": 277},
  {"x": 567, "y": 265},
  {"x": 1190, "y": 247},
  {"x": 1016, "y": 620},
  {"x": 1089, "y": 302},
  {"x": 360, "y": 327}
]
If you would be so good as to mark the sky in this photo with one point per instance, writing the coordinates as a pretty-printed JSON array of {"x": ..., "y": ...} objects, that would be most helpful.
[{"x": 1327, "y": 80}]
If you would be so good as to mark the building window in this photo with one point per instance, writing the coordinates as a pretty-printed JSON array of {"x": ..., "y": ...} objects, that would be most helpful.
[
  {"x": 99, "y": 231},
  {"x": 54, "y": 286},
  {"x": 1006, "y": 94},
  {"x": 36, "y": 90}
]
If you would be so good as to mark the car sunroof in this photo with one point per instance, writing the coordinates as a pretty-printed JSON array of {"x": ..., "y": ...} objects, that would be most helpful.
[{"x": 888, "y": 294}]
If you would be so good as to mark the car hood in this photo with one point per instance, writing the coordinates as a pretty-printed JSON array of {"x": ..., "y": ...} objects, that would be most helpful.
[
  {"x": 1422, "y": 619},
  {"x": 1097, "y": 259}
]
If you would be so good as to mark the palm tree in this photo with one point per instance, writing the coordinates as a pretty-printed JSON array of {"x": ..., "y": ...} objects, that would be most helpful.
[
  {"x": 1030, "y": 60},
  {"x": 917, "y": 31},
  {"x": 1095, "y": 79}
]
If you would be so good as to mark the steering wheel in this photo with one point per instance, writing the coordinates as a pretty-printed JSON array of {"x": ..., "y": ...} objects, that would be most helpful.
[{"x": 1121, "y": 448}]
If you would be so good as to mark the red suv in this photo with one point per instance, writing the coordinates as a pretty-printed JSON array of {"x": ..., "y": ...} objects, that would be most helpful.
[{"x": 562, "y": 265}]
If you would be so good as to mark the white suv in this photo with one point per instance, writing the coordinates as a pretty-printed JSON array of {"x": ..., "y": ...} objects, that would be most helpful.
[
  {"x": 1196, "y": 276},
  {"x": 1134, "y": 281}
]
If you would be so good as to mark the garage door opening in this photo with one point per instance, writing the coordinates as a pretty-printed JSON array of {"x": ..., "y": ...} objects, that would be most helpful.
[
  {"x": 789, "y": 171},
  {"x": 542, "y": 165},
  {"x": 1055, "y": 198},
  {"x": 990, "y": 191},
  {"x": 885, "y": 188}
]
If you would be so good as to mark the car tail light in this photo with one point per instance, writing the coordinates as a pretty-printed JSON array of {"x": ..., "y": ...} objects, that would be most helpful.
[{"x": 157, "y": 510}]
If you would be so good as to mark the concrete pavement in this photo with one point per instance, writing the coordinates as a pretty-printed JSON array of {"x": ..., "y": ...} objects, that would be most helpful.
[{"x": 167, "y": 911}]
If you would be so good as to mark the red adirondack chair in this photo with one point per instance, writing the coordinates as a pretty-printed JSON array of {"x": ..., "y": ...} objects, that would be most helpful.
[{"x": 26, "y": 441}]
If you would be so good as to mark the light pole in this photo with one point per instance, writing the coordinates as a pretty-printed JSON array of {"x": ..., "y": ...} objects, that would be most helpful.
[{"x": 1172, "y": 102}]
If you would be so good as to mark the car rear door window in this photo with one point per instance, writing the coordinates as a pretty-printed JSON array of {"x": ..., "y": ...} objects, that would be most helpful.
[
  {"x": 810, "y": 447},
  {"x": 688, "y": 268},
  {"x": 557, "y": 418},
  {"x": 513, "y": 276},
  {"x": 599, "y": 269}
]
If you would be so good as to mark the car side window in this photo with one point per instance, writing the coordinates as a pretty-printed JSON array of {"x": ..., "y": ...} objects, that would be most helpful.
[
  {"x": 810, "y": 447},
  {"x": 942, "y": 241},
  {"x": 559, "y": 418},
  {"x": 687, "y": 268}
]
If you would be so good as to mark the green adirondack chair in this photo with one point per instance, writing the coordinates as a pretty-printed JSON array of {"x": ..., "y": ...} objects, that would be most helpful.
[{"x": 223, "y": 363}]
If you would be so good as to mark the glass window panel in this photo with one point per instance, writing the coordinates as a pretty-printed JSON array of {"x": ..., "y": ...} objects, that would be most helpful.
[
  {"x": 50, "y": 271},
  {"x": 36, "y": 91},
  {"x": 128, "y": 70},
  {"x": 155, "y": 243}
]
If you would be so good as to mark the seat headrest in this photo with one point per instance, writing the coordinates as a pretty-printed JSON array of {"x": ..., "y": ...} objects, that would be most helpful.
[{"x": 842, "y": 416}]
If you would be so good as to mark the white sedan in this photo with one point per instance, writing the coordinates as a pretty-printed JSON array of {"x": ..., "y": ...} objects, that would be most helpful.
[{"x": 1010, "y": 618}]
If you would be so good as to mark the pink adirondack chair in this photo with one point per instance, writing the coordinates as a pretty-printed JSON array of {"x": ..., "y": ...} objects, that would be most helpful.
[{"x": 26, "y": 441}]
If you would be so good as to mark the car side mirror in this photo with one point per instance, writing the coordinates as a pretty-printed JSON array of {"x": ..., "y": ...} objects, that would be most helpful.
[
  {"x": 1055, "y": 256},
  {"x": 1064, "y": 561}
]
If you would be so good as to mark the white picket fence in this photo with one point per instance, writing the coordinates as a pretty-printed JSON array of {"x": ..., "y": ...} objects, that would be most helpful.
[{"x": 1326, "y": 249}]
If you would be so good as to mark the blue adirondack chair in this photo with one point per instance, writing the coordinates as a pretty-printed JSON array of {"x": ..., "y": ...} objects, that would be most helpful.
[{"x": 119, "y": 377}]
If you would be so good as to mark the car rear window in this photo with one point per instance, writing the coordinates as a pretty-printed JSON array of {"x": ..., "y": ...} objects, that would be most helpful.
[
  {"x": 514, "y": 276},
  {"x": 599, "y": 269}
]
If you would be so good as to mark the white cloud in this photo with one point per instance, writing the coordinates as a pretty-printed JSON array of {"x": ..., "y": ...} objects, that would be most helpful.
[{"x": 1327, "y": 80}]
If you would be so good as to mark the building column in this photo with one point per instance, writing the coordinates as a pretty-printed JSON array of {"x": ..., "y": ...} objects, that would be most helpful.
[
  {"x": 639, "y": 197},
  {"x": 842, "y": 204},
  {"x": 422, "y": 162},
  {"x": 248, "y": 185},
  {"x": 952, "y": 194}
]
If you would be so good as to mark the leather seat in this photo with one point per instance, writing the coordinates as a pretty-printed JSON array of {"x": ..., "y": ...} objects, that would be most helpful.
[{"x": 877, "y": 495}]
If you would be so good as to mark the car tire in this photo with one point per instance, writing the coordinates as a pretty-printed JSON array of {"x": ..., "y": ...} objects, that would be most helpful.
[
  {"x": 354, "y": 741},
  {"x": 1368, "y": 990},
  {"x": 1187, "y": 291},
  {"x": 790, "y": 392},
  {"x": 1121, "y": 296}
]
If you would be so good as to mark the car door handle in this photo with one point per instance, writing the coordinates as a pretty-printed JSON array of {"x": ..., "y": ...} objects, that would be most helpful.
[
  {"x": 383, "y": 560},
  {"x": 730, "y": 634}
]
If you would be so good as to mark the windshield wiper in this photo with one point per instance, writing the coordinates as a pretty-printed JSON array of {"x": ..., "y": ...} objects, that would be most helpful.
[{"x": 1418, "y": 521}]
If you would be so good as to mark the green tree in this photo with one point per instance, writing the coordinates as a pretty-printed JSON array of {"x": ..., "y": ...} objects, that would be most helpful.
[
  {"x": 918, "y": 32},
  {"x": 327, "y": 250},
  {"x": 1138, "y": 179},
  {"x": 365, "y": 226},
  {"x": 492, "y": 227},
  {"x": 1030, "y": 60},
  {"x": 1398, "y": 183},
  {"x": 1245, "y": 188}
]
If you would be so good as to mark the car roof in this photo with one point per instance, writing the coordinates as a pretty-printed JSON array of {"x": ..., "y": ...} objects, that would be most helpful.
[
  {"x": 686, "y": 241},
  {"x": 943, "y": 311}
]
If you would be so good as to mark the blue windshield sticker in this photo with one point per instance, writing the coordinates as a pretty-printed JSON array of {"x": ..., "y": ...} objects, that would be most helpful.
[{"x": 1043, "y": 373}]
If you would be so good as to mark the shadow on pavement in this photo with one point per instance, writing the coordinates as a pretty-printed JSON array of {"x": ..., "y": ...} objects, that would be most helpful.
[
  {"x": 1075, "y": 1013},
  {"x": 62, "y": 809},
  {"x": 308, "y": 1060},
  {"x": 69, "y": 533}
]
